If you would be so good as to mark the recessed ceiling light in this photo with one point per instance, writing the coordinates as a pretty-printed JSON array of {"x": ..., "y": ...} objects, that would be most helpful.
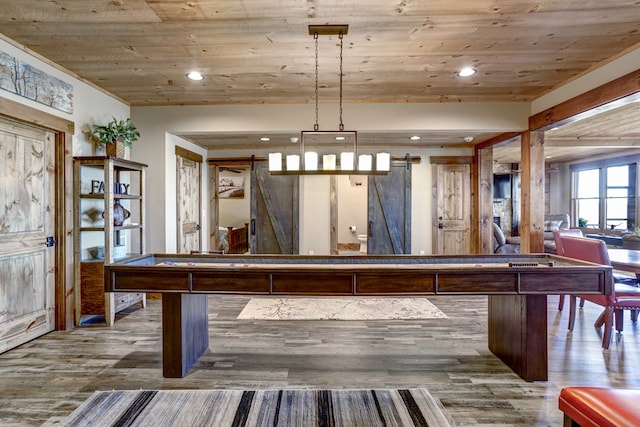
[
  {"x": 265, "y": 138},
  {"x": 195, "y": 75},
  {"x": 340, "y": 138},
  {"x": 466, "y": 72},
  {"x": 414, "y": 138}
]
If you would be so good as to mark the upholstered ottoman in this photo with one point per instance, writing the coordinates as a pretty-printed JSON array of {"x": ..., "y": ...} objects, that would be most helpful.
[{"x": 600, "y": 406}]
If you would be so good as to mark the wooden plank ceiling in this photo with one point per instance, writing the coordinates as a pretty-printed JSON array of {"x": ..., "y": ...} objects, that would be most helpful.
[{"x": 259, "y": 51}]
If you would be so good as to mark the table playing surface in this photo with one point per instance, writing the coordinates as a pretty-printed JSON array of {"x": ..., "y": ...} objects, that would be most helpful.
[{"x": 366, "y": 275}]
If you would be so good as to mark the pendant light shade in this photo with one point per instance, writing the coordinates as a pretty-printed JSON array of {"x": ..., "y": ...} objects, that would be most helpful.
[{"x": 326, "y": 144}]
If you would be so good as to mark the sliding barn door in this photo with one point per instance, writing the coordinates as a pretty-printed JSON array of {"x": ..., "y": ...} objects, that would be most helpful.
[
  {"x": 274, "y": 212},
  {"x": 389, "y": 214},
  {"x": 27, "y": 261}
]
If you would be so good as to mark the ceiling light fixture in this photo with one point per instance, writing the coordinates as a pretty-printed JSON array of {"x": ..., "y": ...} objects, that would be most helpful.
[
  {"x": 265, "y": 139},
  {"x": 195, "y": 75},
  {"x": 466, "y": 72},
  {"x": 324, "y": 145},
  {"x": 415, "y": 138}
]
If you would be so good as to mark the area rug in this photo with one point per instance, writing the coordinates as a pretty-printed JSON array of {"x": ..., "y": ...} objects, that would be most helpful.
[
  {"x": 220, "y": 408},
  {"x": 329, "y": 308}
]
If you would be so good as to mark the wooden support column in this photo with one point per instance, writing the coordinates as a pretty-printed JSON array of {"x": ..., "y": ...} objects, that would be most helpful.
[
  {"x": 333, "y": 215},
  {"x": 482, "y": 242},
  {"x": 532, "y": 192}
]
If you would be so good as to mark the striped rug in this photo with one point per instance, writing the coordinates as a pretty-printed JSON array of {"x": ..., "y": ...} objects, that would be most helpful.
[{"x": 299, "y": 408}]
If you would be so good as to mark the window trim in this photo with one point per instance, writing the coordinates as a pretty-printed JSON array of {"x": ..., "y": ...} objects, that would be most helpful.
[{"x": 633, "y": 162}]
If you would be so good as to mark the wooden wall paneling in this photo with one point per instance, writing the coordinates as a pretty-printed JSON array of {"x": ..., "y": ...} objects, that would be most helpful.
[{"x": 159, "y": 34}]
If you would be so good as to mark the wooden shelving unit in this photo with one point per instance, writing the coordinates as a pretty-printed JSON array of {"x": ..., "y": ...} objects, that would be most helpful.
[{"x": 100, "y": 236}]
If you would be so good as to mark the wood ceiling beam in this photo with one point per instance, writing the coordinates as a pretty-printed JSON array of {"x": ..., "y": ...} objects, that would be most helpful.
[
  {"x": 613, "y": 142},
  {"x": 621, "y": 91}
]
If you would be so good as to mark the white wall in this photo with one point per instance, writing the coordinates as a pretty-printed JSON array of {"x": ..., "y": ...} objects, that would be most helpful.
[
  {"x": 158, "y": 125},
  {"x": 315, "y": 221}
]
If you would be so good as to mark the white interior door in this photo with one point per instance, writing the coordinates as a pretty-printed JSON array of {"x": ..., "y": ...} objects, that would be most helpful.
[
  {"x": 27, "y": 200},
  {"x": 189, "y": 200}
]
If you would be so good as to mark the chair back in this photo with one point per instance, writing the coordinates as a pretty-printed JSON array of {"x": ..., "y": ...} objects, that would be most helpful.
[
  {"x": 585, "y": 249},
  {"x": 498, "y": 236},
  {"x": 575, "y": 232}
]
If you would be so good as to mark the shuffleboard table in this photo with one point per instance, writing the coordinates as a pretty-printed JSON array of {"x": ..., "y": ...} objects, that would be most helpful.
[{"x": 517, "y": 285}]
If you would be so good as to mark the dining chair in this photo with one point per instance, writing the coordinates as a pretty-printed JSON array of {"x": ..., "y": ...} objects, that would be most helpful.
[
  {"x": 575, "y": 232},
  {"x": 624, "y": 297}
]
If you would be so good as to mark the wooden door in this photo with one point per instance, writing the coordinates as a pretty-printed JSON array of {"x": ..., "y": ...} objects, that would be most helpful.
[
  {"x": 27, "y": 261},
  {"x": 452, "y": 209},
  {"x": 275, "y": 220},
  {"x": 389, "y": 211},
  {"x": 188, "y": 200}
]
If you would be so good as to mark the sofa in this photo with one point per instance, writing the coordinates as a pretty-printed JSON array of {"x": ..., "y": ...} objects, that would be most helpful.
[{"x": 511, "y": 245}]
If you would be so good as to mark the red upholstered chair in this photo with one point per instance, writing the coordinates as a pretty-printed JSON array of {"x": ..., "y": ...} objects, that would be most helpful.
[
  {"x": 599, "y": 407},
  {"x": 575, "y": 232},
  {"x": 624, "y": 296}
]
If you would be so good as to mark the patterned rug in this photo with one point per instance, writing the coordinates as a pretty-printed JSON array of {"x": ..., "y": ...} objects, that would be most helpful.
[
  {"x": 219, "y": 408},
  {"x": 352, "y": 308}
]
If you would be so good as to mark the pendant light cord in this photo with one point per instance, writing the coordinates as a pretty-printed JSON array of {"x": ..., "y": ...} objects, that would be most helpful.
[
  {"x": 316, "y": 126},
  {"x": 341, "y": 124}
]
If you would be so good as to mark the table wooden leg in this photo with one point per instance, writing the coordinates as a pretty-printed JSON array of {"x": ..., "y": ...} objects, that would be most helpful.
[
  {"x": 185, "y": 332},
  {"x": 518, "y": 333}
]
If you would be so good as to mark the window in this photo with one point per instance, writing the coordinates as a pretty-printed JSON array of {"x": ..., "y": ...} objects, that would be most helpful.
[
  {"x": 588, "y": 197},
  {"x": 617, "y": 197},
  {"x": 604, "y": 197}
]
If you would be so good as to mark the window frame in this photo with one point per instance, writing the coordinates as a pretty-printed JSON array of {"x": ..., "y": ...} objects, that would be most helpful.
[{"x": 633, "y": 162}]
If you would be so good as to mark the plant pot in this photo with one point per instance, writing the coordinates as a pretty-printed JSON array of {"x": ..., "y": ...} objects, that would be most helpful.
[{"x": 115, "y": 149}]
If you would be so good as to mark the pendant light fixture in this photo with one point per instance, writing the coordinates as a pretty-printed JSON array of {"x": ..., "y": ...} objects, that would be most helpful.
[{"x": 329, "y": 152}]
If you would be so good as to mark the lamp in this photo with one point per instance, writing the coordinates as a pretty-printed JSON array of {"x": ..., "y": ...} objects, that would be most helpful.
[{"x": 326, "y": 144}]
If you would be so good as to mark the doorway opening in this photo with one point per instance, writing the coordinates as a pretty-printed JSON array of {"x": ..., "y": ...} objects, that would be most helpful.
[{"x": 351, "y": 195}]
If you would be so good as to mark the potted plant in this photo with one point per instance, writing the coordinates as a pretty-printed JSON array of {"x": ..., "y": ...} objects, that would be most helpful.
[
  {"x": 632, "y": 240},
  {"x": 115, "y": 135}
]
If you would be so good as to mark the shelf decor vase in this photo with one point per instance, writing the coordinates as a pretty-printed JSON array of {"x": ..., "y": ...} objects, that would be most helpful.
[{"x": 120, "y": 214}]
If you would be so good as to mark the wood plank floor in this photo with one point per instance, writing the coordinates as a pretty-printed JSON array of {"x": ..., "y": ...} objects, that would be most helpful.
[{"x": 46, "y": 379}]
